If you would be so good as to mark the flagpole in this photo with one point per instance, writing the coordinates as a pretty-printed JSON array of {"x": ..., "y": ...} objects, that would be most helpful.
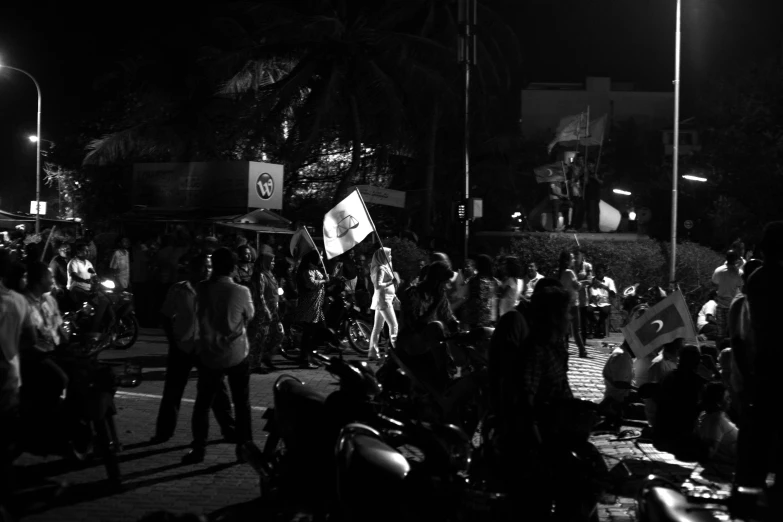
[
  {"x": 315, "y": 247},
  {"x": 584, "y": 173},
  {"x": 375, "y": 230}
]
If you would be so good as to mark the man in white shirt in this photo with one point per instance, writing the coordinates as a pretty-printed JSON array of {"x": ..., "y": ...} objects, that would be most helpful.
[
  {"x": 600, "y": 294},
  {"x": 728, "y": 277},
  {"x": 529, "y": 281},
  {"x": 224, "y": 311},
  {"x": 180, "y": 323},
  {"x": 80, "y": 274},
  {"x": 706, "y": 324}
]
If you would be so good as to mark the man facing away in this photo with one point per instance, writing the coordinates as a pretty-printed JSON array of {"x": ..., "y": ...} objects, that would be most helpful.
[
  {"x": 181, "y": 326},
  {"x": 762, "y": 432},
  {"x": 728, "y": 277},
  {"x": 224, "y": 311}
]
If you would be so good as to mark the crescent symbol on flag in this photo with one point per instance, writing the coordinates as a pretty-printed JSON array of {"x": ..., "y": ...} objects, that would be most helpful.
[{"x": 660, "y": 325}]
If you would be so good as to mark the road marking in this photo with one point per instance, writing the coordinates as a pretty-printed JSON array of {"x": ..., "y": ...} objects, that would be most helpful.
[{"x": 261, "y": 409}]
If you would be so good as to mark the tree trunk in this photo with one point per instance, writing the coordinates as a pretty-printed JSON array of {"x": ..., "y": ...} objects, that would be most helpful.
[
  {"x": 432, "y": 142},
  {"x": 356, "y": 154}
]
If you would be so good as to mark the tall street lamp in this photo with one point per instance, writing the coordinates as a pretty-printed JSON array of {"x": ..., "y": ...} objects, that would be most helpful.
[
  {"x": 37, "y": 149},
  {"x": 676, "y": 147}
]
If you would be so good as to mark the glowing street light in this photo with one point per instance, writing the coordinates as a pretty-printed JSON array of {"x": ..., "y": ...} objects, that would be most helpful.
[
  {"x": 694, "y": 178},
  {"x": 621, "y": 192},
  {"x": 37, "y": 148}
]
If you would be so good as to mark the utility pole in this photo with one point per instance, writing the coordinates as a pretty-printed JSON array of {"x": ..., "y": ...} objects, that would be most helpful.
[
  {"x": 676, "y": 145},
  {"x": 467, "y": 59}
]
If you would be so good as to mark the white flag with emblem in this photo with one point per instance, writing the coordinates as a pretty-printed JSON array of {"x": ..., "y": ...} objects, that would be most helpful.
[{"x": 346, "y": 225}]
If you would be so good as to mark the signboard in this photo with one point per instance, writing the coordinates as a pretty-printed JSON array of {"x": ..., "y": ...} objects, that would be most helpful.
[
  {"x": 206, "y": 184},
  {"x": 265, "y": 185},
  {"x": 34, "y": 207},
  {"x": 382, "y": 196},
  {"x": 688, "y": 224}
]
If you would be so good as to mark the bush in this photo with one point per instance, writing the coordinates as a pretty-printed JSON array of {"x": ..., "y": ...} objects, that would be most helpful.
[
  {"x": 406, "y": 257},
  {"x": 643, "y": 261}
]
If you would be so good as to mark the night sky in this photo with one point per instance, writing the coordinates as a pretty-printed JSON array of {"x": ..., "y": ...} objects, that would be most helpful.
[{"x": 67, "y": 44}]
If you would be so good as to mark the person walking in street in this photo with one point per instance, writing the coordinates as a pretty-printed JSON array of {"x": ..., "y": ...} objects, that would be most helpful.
[
  {"x": 224, "y": 311},
  {"x": 311, "y": 285},
  {"x": 269, "y": 331},
  {"x": 180, "y": 323},
  {"x": 481, "y": 306},
  {"x": 728, "y": 278},
  {"x": 584, "y": 273},
  {"x": 568, "y": 279},
  {"x": 385, "y": 285},
  {"x": 120, "y": 265}
]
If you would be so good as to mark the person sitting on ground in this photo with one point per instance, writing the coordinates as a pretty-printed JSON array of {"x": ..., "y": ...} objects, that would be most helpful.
[
  {"x": 706, "y": 324},
  {"x": 717, "y": 434},
  {"x": 662, "y": 365},
  {"x": 600, "y": 293},
  {"x": 618, "y": 376},
  {"x": 678, "y": 403}
]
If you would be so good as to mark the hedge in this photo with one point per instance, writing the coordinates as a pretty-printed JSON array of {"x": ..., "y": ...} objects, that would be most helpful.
[{"x": 644, "y": 261}]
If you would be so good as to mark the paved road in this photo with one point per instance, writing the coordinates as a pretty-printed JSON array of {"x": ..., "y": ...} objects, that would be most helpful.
[{"x": 155, "y": 479}]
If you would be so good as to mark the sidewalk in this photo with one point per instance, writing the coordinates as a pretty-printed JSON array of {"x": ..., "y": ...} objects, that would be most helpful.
[{"x": 154, "y": 478}]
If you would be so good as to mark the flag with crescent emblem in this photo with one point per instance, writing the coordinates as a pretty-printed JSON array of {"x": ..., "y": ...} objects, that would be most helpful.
[
  {"x": 660, "y": 325},
  {"x": 552, "y": 173},
  {"x": 346, "y": 225}
]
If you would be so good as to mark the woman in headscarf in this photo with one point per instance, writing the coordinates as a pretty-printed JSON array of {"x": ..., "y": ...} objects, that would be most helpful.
[
  {"x": 385, "y": 285},
  {"x": 311, "y": 285}
]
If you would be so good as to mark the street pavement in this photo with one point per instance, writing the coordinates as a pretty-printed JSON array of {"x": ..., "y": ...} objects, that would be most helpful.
[{"x": 155, "y": 479}]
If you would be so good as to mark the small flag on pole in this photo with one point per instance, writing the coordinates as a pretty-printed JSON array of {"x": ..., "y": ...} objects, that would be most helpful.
[
  {"x": 346, "y": 225},
  {"x": 660, "y": 325},
  {"x": 552, "y": 173},
  {"x": 301, "y": 243},
  {"x": 595, "y": 135}
]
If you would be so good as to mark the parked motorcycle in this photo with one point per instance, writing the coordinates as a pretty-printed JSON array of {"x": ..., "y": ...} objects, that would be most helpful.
[
  {"x": 463, "y": 400},
  {"x": 343, "y": 321},
  {"x": 120, "y": 324},
  {"x": 83, "y": 424},
  {"x": 660, "y": 500}
]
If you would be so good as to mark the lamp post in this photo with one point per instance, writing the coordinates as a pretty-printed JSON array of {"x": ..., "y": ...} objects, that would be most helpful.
[
  {"x": 676, "y": 147},
  {"x": 37, "y": 149},
  {"x": 36, "y": 139}
]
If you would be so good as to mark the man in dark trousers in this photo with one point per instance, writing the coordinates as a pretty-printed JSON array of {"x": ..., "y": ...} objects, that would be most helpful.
[
  {"x": 181, "y": 327},
  {"x": 224, "y": 311}
]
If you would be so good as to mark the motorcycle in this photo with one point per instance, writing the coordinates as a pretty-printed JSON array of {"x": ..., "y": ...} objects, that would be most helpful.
[
  {"x": 88, "y": 410},
  {"x": 120, "y": 325},
  {"x": 463, "y": 400},
  {"x": 343, "y": 320},
  {"x": 660, "y": 500},
  {"x": 423, "y": 467}
]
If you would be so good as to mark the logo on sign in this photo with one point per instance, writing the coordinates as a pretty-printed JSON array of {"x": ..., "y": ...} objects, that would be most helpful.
[
  {"x": 265, "y": 186},
  {"x": 688, "y": 224}
]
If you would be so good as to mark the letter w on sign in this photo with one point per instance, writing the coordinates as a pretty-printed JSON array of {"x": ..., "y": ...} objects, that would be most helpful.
[{"x": 660, "y": 325}]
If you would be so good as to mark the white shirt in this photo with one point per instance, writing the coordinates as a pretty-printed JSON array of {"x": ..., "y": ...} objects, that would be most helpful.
[
  {"x": 225, "y": 309},
  {"x": 729, "y": 284},
  {"x": 530, "y": 285},
  {"x": 600, "y": 296},
  {"x": 709, "y": 308},
  {"x": 82, "y": 269}
]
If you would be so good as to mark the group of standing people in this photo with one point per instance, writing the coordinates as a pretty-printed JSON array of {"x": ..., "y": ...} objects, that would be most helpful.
[{"x": 576, "y": 198}]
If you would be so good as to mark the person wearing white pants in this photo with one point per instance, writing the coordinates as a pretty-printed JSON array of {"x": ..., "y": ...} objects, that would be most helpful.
[{"x": 385, "y": 284}]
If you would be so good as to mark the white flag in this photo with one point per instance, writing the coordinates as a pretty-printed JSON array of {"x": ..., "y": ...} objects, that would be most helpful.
[{"x": 346, "y": 225}]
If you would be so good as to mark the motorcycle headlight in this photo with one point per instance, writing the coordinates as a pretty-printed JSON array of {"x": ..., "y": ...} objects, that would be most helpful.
[
  {"x": 280, "y": 291},
  {"x": 108, "y": 284},
  {"x": 88, "y": 309}
]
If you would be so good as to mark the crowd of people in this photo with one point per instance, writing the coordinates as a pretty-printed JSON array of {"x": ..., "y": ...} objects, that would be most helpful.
[{"x": 225, "y": 317}]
